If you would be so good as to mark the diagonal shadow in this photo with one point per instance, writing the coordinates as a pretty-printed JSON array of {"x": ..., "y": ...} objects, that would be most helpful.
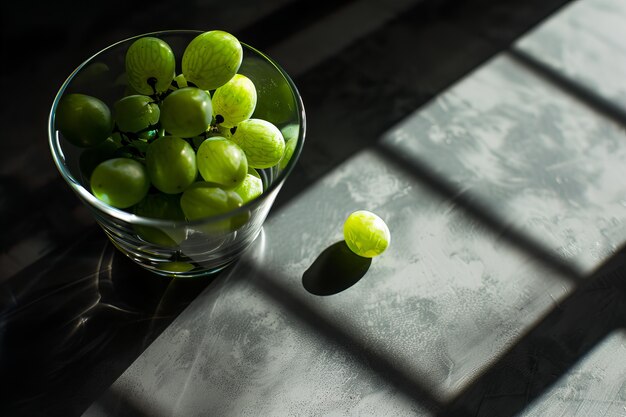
[
  {"x": 115, "y": 402},
  {"x": 482, "y": 213},
  {"x": 544, "y": 354},
  {"x": 548, "y": 350},
  {"x": 354, "y": 96},
  {"x": 290, "y": 18},
  {"x": 80, "y": 312},
  {"x": 352, "y": 344},
  {"x": 581, "y": 92},
  {"x": 556, "y": 343},
  {"x": 552, "y": 347}
]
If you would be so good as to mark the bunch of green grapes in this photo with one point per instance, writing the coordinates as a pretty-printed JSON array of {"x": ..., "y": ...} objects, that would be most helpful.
[{"x": 178, "y": 146}]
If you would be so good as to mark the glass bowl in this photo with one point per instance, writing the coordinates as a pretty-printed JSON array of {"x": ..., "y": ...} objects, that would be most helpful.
[{"x": 180, "y": 248}]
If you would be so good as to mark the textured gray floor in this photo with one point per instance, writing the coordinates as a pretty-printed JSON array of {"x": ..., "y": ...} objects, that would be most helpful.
[{"x": 586, "y": 45}]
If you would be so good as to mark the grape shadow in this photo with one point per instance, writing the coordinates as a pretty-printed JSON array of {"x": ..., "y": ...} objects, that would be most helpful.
[{"x": 335, "y": 270}]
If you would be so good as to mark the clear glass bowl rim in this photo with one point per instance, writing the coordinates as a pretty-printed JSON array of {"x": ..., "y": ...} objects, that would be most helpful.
[{"x": 146, "y": 221}]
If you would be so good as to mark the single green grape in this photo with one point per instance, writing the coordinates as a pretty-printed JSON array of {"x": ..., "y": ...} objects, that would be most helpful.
[
  {"x": 175, "y": 266},
  {"x": 235, "y": 101},
  {"x": 222, "y": 162},
  {"x": 290, "y": 147},
  {"x": 186, "y": 112},
  {"x": 291, "y": 131},
  {"x": 83, "y": 120},
  {"x": 94, "y": 75},
  {"x": 135, "y": 113},
  {"x": 90, "y": 158},
  {"x": 276, "y": 102},
  {"x": 290, "y": 134},
  {"x": 164, "y": 207},
  {"x": 96, "y": 79},
  {"x": 250, "y": 188},
  {"x": 171, "y": 164},
  {"x": 366, "y": 234},
  {"x": 202, "y": 200},
  {"x": 211, "y": 59},
  {"x": 150, "y": 65},
  {"x": 261, "y": 141},
  {"x": 120, "y": 182}
]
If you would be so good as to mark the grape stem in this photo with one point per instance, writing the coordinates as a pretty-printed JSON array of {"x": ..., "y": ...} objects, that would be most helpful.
[{"x": 152, "y": 83}]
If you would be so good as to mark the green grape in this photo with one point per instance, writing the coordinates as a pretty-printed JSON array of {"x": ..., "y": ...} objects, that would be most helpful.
[
  {"x": 92, "y": 157},
  {"x": 150, "y": 65},
  {"x": 290, "y": 146},
  {"x": 83, "y": 120},
  {"x": 220, "y": 161},
  {"x": 120, "y": 182},
  {"x": 239, "y": 220},
  {"x": 202, "y": 200},
  {"x": 164, "y": 207},
  {"x": 178, "y": 82},
  {"x": 92, "y": 74},
  {"x": 254, "y": 172},
  {"x": 135, "y": 113},
  {"x": 95, "y": 79},
  {"x": 235, "y": 101},
  {"x": 261, "y": 141},
  {"x": 175, "y": 266},
  {"x": 290, "y": 133},
  {"x": 186, "y": 112},
  {"x": 366, "y": 234},
  {"x": 250, "y": 188},
  {"x": 211, "y": 59},
  {"x": 275, "y": 99},
  {"x": 171, "y": 164}
]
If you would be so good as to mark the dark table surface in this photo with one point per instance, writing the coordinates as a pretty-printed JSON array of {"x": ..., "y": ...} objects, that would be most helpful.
[{"x": 75, "y": 314}]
